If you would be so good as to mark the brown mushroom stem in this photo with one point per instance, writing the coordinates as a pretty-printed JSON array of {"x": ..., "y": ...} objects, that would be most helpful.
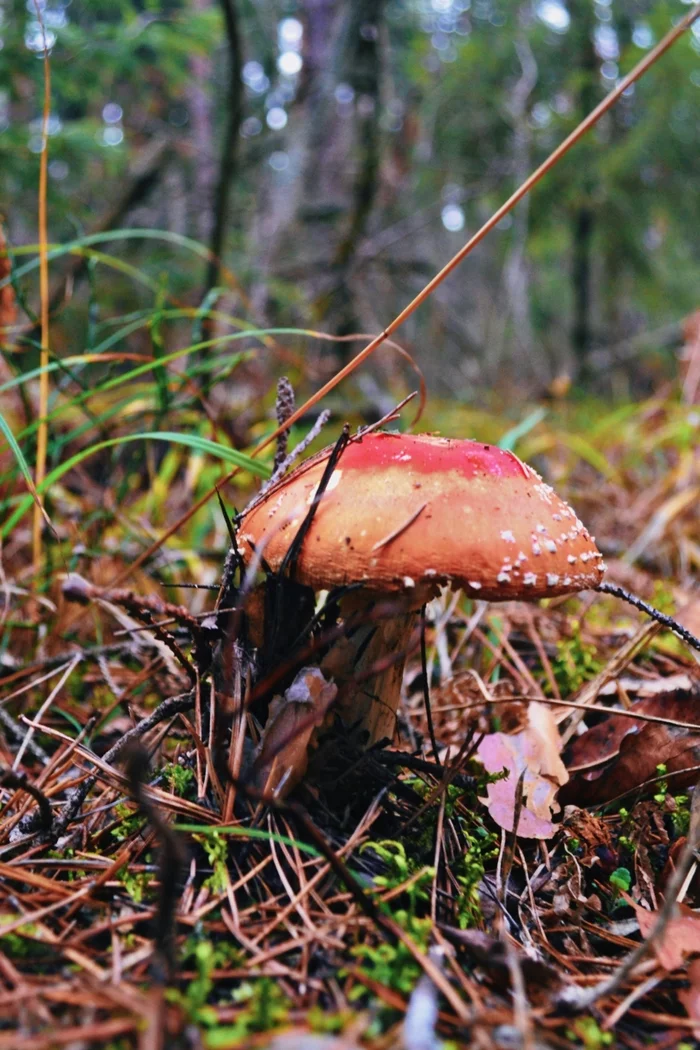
[{"x": 367, "y": 663}]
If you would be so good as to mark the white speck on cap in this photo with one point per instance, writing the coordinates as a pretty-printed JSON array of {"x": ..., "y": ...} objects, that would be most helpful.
[
  {"x": 541, "y": 528},
  {"x": 503, "y": 577},
  {"x": 507, "y": 535},
  {"x": 530, "y": 579},
  {"x": 552, "y": 579},
  {"x": 545, "y": 492},
  {"x": 475, "y": 585},
  {"x": 408, "y": 581},
  {"x": 536, "y": 549},
  {"x": 551, "y": 546},
  {"x": 333, "y": 483},
  {"x": 571, "y": 558}
]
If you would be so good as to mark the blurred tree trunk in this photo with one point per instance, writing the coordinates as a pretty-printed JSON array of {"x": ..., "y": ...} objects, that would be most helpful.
[
  {"x": 583, "y": 220},
  {"x": 212, "y": 182},
  {"x": 228, "y": 163},
  {"x": 363, "y": 60},
  {"x": 319, "y": 218},
  {"x": 516, "y": 278},
  {"x": 202, "y": 125}
]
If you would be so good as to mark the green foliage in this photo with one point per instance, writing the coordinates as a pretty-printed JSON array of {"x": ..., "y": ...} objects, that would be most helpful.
[
  {"x": 576, "y": 662},
  {"x": 135, "y": 883},
  {"x": 265, "y": 1008},
  {"x": 680, "y": 815},
  {"x": 325, "y": 1023},
  {"x": 481, "y": 846},
  {"x": 400, "y": 870},
  {"x": 264, "y": 1005},
  {"x": 130, "y": 821},
  {"x": 393, "y": 965},
  {"x": 662, "y": 785},
  {"x": 179, "y": 778},
  {"x": 586, "y": 1032},
  {"x": 216, "y": 848},
  {"x": 195, "y": 998},
  {"x": 621, "y": 879},
  {"x": 18, "y": 946}
]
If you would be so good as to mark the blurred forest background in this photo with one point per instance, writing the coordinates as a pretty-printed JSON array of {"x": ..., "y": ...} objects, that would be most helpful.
[{"x": 334, "y": 155}]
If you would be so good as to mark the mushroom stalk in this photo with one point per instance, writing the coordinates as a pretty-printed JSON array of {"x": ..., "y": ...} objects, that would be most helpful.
[{"x": 367, "y": 663}]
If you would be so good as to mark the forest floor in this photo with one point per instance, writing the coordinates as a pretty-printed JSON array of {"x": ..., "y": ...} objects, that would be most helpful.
[{"x": 151, "y": 899}]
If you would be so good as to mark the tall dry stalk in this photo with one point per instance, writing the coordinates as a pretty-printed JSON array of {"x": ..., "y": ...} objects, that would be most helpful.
[{"x": 42, "y": 432}]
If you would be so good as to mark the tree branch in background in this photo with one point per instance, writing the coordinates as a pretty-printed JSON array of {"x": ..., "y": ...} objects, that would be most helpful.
[
  {"x": 229, "y": 149},
  {"x": 583, "y": 218},
  {"x": 364, "y": 65}
]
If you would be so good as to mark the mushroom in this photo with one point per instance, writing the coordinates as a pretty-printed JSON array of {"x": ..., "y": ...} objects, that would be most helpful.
[{"x": 400, "y": 516}]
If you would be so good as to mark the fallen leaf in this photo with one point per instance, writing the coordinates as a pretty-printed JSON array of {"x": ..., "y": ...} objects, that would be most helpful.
[
  {"x": 491, "y": 953},
  {"x": 534, "y": 751},
  {"x": 8, "y": 306},
  {"x": 680, "y": 938},
  {"x": 594, "y": 839},
  {"x": 627, "y": 755},
  {"x": 282, "y": 754}
]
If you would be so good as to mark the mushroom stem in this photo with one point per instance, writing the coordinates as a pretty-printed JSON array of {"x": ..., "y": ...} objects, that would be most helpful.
[{"x": 367, "y": 663}]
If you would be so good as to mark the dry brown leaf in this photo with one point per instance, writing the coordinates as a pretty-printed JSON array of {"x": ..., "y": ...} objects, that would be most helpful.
[
  {"x": 635, "y": 750},
  {"x": 681, "y": 936},
  {"x": 8, "y": 306},
  {"x": 282, "y": 753},
  {"x": 535, "y": 751}
]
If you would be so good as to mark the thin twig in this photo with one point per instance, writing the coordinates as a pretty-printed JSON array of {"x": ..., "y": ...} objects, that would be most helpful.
[
  {"x": 172, "y": 706},
  {"x": 656, "y": 614},
  {"x": 15, "y": 730},
  {"x": 426, "y": 690},
  {"x": 555, "y": 156},
  {"x": 172, "y": 855},
  {"x": 19, "y": 782}
]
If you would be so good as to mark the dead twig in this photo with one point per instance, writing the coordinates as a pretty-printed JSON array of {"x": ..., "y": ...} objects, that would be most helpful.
[
  {"x": 662, "y": 618},
  {"x": 172, "y": 855},
  {"x": 19, "y": 781}
]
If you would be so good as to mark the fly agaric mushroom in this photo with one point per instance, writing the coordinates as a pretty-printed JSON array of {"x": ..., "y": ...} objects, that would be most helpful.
[{"x": 401, "y": 515}]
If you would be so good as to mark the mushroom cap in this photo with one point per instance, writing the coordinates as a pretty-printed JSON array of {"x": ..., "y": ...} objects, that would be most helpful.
[{"x": 403, "y": 511}]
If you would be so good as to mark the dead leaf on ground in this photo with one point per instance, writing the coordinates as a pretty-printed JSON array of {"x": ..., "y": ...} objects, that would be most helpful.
[
  {"x": 282, "y": 754},
  {"x": 8, "y": 306},
  {"x": 594, "y": 838},
  {"x": 629, "y": 751},
  {"x": 534, "y": 751},
  {"x": 491, "y": 953},
  {"x": 680, "y": 938}
]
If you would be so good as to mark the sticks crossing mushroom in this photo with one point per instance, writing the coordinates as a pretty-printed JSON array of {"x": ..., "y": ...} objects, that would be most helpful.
[{"x": 402, "y": 515}]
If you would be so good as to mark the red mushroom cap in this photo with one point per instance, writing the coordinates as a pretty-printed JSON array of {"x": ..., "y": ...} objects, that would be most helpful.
[{"x": 404, "y": 511}]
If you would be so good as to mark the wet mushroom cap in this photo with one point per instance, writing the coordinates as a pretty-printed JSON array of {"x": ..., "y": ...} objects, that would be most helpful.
[{"x": 403, "y": 511}]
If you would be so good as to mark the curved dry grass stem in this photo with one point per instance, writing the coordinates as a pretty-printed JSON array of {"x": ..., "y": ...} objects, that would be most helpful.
[
  {"x": 585, "y": 126},
  {"x": 42, "y": 432}
]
